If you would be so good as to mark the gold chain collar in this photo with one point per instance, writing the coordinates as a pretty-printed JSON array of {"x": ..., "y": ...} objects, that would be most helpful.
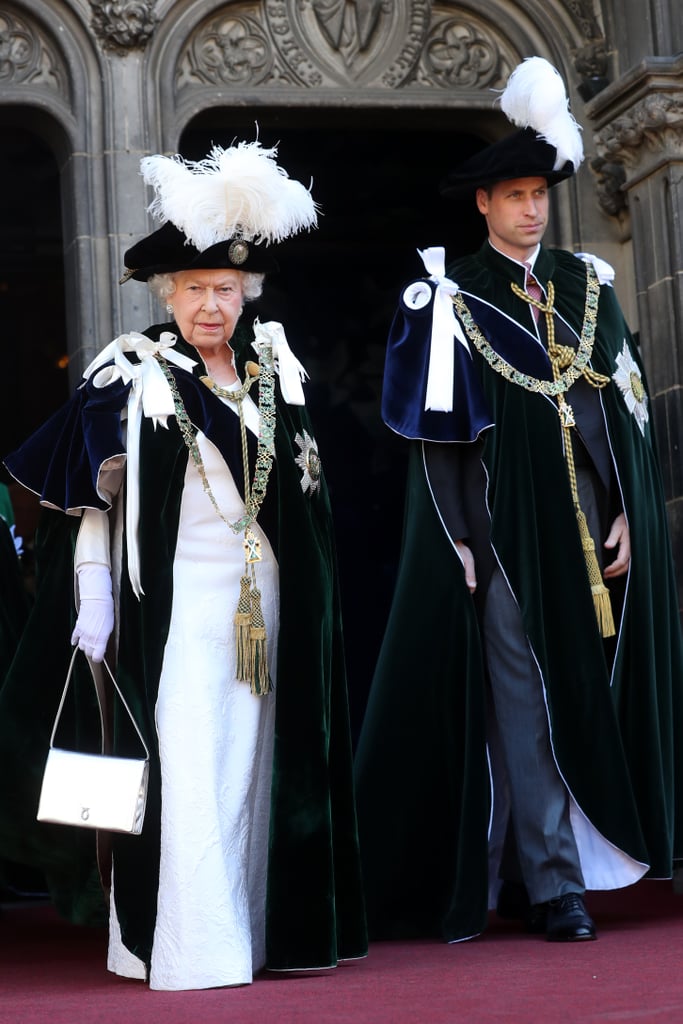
[
  {"x": 572, "y": 364},
  {"x": 250, "y": 627}
]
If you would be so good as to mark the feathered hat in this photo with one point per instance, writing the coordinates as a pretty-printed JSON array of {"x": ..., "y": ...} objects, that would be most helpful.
[
  {"x": 546, "y": 145},
  {"x": 223, "y": 211}
]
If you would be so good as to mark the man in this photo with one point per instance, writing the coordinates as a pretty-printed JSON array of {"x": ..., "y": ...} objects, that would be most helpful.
[{"x": 524, "y": 717}]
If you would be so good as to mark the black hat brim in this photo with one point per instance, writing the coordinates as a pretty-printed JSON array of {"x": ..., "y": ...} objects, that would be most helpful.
[
  {"x": 167, "y": 251},
  {"x": 520, "y": 155}
]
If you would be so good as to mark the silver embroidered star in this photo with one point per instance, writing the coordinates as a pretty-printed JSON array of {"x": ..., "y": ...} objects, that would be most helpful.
[
  {"x": 629, "y": 381},
  {"x": 308, "y": 461}
]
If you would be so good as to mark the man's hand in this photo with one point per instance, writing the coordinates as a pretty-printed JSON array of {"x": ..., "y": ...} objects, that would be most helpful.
[
  {"x": 619, "y": 538},
  {"x": 467, "y": 559}
]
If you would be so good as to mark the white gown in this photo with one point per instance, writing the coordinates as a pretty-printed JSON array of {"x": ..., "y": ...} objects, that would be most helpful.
[{"x": 216, "y": 749}]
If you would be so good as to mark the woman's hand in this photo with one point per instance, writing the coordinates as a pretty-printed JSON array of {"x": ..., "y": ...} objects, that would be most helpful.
[
  {"x": 95, "y": 621},
  {"x": 620, "y": 538}
]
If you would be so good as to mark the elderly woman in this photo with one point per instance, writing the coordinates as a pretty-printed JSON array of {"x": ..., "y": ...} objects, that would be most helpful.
[{"x": 205, "y": 536}]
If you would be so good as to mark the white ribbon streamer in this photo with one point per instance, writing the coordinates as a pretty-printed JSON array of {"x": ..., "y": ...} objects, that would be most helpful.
[
  {"x": 445, "y": 327},
  {"x": 290, "y": 370},
  {"x": 150, "y": 395}
]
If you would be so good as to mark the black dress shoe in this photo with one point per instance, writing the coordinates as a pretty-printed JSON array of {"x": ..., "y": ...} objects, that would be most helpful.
[{"x": 568, "y": 920}]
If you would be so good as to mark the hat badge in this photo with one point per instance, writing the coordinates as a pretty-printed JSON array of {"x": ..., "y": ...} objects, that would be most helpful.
[{"x": 238, "y": 251}]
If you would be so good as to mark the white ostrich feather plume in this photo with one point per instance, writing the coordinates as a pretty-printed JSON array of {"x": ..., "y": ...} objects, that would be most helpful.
[
  {"x": 535, "y": 97},
  {"x": 239, "y": 191}
]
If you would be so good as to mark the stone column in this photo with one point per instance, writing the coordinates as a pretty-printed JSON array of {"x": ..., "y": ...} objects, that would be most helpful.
[
  {"x": 639, "y": 146},
  {"x": 123, "y": 29}
]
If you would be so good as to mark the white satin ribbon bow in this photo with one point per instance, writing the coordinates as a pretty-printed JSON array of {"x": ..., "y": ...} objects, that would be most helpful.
[
  {"x": 290, "y": 370},
  {"x": 603, "y": 270},
  {"x": 150, "y": 395},
  {"x": 445, "y": 327}
]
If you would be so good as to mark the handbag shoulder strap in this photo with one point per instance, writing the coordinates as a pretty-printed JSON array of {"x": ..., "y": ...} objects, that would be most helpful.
[{"x": 116, "y": 687}]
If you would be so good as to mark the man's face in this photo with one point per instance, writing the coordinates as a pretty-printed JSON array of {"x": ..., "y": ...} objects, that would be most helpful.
[{"x": 516, "y": 213}]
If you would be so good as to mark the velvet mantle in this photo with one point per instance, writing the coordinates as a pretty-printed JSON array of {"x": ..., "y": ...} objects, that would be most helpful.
[
  {"x": 615, "y": 710},
  {"x": 315, "y": 914},
  {"x": 14, "y": 599}
]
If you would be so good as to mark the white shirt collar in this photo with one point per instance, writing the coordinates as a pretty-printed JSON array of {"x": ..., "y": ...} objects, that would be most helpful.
[{"x": 531, "y": 261}]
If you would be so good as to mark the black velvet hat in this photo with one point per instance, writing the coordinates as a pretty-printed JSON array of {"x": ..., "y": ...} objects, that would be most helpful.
[
  {"x": 167, "y": 250},
  {"x": 225, "y": 211},
  {"x": 546, "y": 145},
  {"x": 520, "y": 155}
]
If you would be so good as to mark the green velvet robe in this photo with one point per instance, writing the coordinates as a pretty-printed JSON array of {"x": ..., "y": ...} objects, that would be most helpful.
[
  {"x": 315, "y": 913},
  {"x": 14, "y": 599},
  {"x": 616, "y": 711}
]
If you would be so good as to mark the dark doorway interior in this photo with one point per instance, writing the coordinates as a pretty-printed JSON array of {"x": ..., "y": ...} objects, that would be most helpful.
[
  {"x": 375, "y": 176},
  {"x": 32, "y": 308}
]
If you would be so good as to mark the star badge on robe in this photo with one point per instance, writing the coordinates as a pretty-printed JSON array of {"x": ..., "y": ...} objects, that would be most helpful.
[
  {"x": 308, "y": 461},
  {"x": 630, "y": 382}
]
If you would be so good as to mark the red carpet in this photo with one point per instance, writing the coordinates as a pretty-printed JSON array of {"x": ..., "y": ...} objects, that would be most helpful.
[{"x": 53, "y": 971}]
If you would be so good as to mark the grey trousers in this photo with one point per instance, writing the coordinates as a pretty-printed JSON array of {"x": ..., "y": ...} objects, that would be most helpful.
[{"x": 539, "y": 802}]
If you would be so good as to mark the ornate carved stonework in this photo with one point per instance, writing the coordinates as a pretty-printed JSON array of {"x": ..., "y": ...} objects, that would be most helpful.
[
  {"x": 229, "y": 50},
  {"x": 609, "y": 181},
  {"x": 583, "y": 15},
  {"x": 655, "y": 123},
  {"x": 352, "y": 41},
  {"x": 648, "y": 132},
  {"x": 462, "y": 52},
  {"x": 27, "y": 56},
  {"x": 315, "y": 44},
  {"x": 590, "y": 59},
  {"x": 123, "y": 25},
  {"x": 349, "y": 28}
]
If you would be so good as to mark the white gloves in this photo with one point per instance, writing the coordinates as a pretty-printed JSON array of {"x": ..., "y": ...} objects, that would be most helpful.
[{"x": 95, "y": 620}]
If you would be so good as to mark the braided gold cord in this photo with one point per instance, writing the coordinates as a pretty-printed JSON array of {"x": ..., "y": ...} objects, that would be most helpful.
[{"x": 560, "y": 357}]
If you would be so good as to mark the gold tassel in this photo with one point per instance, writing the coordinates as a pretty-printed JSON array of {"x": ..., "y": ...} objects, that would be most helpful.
[
  {"x": 243, "y": 629},
  {"x": 601, "y": 598},
  {"x": 603, "y": 610},
  {"x": 258, "y": 645}
]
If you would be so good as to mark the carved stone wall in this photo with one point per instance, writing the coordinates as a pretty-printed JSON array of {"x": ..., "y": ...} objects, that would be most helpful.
[
  {"x": 123, "y": 25},
  {"x": 322, "y": 45},
  {"x": 639, "y": 159},
  {"x": 29, "y": 56}
]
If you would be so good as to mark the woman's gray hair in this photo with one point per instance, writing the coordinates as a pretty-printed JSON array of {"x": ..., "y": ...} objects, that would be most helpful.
[{"x": 162, "y": 286}]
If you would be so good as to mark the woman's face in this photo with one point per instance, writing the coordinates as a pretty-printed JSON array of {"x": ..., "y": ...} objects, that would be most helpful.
[{"x": 206, "y": 305}]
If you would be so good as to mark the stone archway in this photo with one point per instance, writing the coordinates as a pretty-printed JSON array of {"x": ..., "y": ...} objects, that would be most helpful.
[
  {"x": 437, "y": 61},
  {"x": 33, "y": 344},
  {"x": 51, "y": 78},
  {"x": 49, "y": 288},
  {"x": 32, "y": 296}
]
